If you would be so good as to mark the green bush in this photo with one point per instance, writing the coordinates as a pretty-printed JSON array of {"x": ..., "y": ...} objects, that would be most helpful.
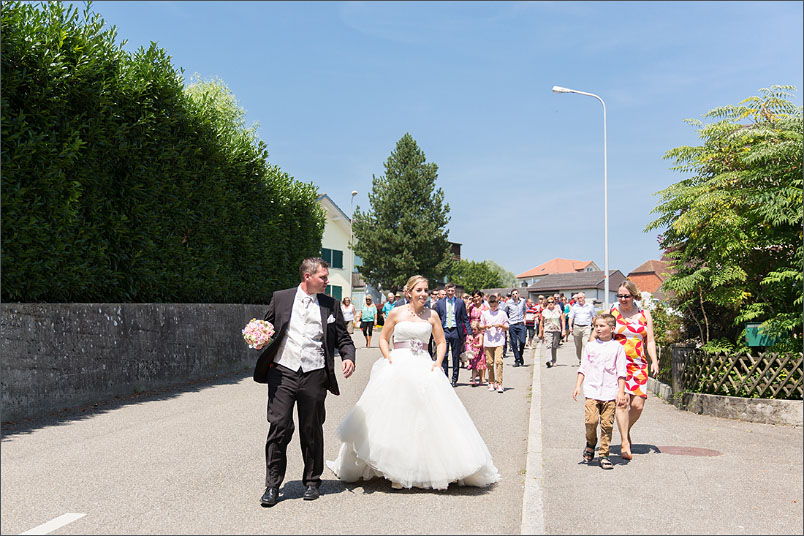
[{"x": 120, "y": 185}]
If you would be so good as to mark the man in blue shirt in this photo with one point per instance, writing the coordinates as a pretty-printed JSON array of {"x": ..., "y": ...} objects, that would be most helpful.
[
  {"x": 455, "y": 322},
  {"x": 515, "y": 309},
  {"x": 580, "y": 322}
]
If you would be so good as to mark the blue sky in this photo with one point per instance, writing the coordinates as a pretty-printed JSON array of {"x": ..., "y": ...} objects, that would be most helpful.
[{"x": 334, "y": 86}]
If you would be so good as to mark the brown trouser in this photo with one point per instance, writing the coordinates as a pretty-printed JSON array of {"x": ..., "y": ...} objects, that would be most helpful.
[
  {"x": 597, "y": 410},
  {"x": 494, "y": 355}
]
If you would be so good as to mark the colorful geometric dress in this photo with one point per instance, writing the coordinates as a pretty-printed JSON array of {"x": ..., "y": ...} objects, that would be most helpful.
[
  {"x": 632, "y": 336},
  {"x": 478, "y": 362}
]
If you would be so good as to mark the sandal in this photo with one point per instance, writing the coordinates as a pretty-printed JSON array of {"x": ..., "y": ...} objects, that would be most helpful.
[
  {"x": 605, "y": 463},
  {"x": 588, "y": 453}
]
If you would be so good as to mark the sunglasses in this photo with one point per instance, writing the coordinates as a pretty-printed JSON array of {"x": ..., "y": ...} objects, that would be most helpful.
[
  {"x": 624, "y": 296},
  {"x": 551, "y": 302}
]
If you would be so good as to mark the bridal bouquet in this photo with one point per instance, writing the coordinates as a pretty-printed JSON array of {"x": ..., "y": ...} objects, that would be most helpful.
[{"x": 258, "y": 333}]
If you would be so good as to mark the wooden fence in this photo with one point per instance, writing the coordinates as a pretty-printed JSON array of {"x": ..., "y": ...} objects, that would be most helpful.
[{"x": 766, "y": 375}]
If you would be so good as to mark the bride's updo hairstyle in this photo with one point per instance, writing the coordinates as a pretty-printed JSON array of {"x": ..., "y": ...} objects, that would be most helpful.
[{"x": 412, "y": 282}]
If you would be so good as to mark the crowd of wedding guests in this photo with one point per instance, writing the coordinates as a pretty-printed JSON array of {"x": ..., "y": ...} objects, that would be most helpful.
[
  {"x": 612, "y": 347},
  {"x": 495, "y": 324}
]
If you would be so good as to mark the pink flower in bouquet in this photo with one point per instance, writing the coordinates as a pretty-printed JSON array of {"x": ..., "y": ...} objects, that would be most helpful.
[{"x": 258, "y": 333}]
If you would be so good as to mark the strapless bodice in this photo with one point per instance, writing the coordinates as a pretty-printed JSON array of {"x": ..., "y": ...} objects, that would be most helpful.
[{"x": 408, "y": 330}]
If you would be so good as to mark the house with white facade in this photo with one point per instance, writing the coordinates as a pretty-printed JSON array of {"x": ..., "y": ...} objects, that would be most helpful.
[
  {"x": 555, "y": 266},
  {"x": 335, "y": 248}
]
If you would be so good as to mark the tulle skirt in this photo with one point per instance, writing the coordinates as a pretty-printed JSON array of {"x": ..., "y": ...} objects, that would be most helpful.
[{"x": 410, "y": 427}]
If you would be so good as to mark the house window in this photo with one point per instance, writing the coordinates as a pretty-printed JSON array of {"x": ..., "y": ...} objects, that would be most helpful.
[
  {"x": 334, "y": 257},
  {"x": 335, "y": 291}
]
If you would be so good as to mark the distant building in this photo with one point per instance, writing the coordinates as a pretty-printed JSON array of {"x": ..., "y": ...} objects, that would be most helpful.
[
  {"x": 649, "y": 276},
  {"x": 455, "y": 249},
  {"x": 555, "y": 266},
  {"x": 335, "y": 248}
]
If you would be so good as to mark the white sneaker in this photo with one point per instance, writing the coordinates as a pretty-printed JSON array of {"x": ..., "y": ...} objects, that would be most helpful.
[
  {"x": 491, "y": 387},
  {"x": 500, "y": 388}
]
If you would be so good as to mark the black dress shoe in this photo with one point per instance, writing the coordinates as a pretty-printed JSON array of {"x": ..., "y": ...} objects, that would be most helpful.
[
  {"x": 311, "y": 493},
  {"x": 455, "y": 384},
  {"x": 516, "y": 364},
  {"x": 270, "y": 497}
]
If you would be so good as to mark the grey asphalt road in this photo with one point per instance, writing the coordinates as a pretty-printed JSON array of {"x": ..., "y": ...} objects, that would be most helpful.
[{"x": 192, "y": 462}]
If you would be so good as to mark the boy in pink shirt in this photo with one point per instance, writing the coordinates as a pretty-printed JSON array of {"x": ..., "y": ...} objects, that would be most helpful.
[
  {"x": 494, "y": 324},
  {"x": 602, "y": 374}
]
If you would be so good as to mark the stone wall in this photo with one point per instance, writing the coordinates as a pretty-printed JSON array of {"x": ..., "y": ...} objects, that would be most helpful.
[
  {"x": 764, "y": 410},
  {"x": 57, "y": 356}
]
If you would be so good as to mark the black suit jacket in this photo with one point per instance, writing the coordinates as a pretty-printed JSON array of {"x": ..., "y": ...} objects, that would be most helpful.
[
  {"x": 461, "y": 317},
  {"x": 335, "y": 334}
]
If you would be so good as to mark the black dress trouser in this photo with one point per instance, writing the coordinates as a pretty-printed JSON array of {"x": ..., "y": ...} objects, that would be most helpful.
[{"x": 308, "y": 390}]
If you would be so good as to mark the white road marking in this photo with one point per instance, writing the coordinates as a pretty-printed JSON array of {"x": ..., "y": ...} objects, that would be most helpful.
[{"x": 54, "y": 524}]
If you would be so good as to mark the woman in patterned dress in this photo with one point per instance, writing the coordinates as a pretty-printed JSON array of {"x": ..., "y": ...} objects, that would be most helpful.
[
  {"x": 478, "y": 363},
  {"x": 634, "y": 330}
]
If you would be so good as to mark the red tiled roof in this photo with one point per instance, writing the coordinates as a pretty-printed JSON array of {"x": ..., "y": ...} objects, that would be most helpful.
[
  {"x": 557, "y": 266},
  {"x": 659, "y": 268}
]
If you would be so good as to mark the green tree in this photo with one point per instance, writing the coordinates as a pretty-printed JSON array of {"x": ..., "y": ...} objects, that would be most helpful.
[
  {"x": 475, "y": 275},
  {"x": 404, "y": 232},
  {"x": 507, "y": 279},
  {"x": 734, "y": 227}
]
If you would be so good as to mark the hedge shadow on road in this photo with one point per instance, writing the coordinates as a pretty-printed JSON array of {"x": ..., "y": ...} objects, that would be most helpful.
[{"x": 88, "y": 410}]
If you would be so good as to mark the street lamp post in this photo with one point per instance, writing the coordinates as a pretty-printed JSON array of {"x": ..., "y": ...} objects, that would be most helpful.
[
  {"x": 559, "y": 89},
  {"x": 352, "y": 240}
]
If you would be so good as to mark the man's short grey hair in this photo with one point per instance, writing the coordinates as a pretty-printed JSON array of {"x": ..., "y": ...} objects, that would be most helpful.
[{"x": 311, "y": 265}]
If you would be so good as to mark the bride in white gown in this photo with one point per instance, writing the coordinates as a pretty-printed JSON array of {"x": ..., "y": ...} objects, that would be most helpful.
[{"x": 409, "y": 426}]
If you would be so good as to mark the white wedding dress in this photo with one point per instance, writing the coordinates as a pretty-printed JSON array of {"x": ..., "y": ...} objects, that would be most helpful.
[{"x": 410, "y": 427}]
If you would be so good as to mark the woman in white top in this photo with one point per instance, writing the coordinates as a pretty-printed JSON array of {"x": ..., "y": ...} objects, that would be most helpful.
[
  {"x": 348, "y": 311},
  {"x": 551, "y": 328}
]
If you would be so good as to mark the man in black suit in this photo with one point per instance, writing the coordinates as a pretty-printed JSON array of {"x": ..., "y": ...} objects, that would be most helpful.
[
  {"x": 299, "y": 367},
  {"x": 455, "y": 321}
]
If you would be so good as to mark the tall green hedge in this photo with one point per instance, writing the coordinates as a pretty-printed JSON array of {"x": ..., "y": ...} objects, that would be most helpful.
[{"x": 121, "y": 185}]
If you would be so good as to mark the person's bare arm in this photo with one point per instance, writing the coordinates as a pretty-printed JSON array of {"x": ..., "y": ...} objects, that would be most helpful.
[
  {"x": 439, "y": 338},
  {"x": 654, "y": 365},
  {"x": 387, "y": 331}
]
